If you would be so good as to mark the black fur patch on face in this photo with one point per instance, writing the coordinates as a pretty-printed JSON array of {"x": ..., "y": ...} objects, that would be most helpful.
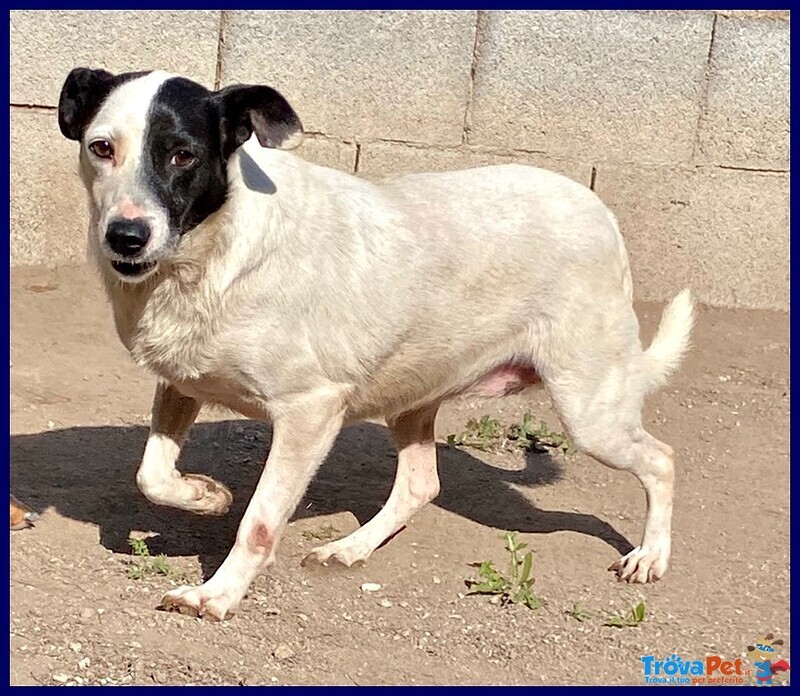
[
  {"x": 191, "y": 133},
  {"x": 184, "y": 120}
]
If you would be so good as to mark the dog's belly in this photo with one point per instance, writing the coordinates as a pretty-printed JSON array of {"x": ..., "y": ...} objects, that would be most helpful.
[
  {"x": 505, "y": 379},
  {"x": 389, "y": 398},
  {"x": 215, "y": 391}
]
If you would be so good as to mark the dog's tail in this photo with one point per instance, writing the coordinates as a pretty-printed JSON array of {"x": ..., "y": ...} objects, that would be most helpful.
[{"x": 672, "y": 339}]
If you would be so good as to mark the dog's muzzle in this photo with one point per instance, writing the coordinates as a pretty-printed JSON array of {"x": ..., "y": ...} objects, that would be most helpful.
[
  {"x": 128, "y": 238},
  {"x": 132, "y": 270}
]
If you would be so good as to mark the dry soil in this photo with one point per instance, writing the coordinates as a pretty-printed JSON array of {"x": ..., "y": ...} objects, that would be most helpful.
[{"x": 79, "y": 422}]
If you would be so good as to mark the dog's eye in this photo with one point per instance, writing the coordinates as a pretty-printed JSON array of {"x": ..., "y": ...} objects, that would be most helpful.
[
  {"x": 102, "y": 149},
  {"x": 183, "y": 159}
]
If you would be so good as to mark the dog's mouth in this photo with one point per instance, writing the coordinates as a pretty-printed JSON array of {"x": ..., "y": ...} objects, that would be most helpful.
[{"x": 132, "y": 270}]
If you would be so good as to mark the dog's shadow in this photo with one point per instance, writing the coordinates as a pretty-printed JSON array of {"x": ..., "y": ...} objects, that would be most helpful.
[{"x": 88, "y": 474}]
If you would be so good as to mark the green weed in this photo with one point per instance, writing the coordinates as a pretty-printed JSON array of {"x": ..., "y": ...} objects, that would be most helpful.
[
  {"x": 324, "y": 533},
  {"x": 634, "y": 617},
  {"x": 517, "y": 586},
  {"x": 490, "y": 435},
  {"x": 578, "y": 613},
  {"x": 145, "y": 565}
]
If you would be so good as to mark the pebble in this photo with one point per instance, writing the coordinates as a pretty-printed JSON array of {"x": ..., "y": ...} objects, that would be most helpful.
[
  {"x": 386, "y": 603},
  {"x": 370, "y": 587},
  {"x": 84, "y": 663},
  {"x": 436, "y": 581},
  {"x": 60, "y": 678},
  {"x": 87, "y": 614},
  {"x": 283, "y": 652},
  {"x": 75, "y": 647}
]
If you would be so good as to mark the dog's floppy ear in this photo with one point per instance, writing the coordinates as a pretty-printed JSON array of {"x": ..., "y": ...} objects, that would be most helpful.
[
  {"x": 248, "y": 109},
  {"x": 778, "y": 642},
  {"x": 81, "y": 96}
]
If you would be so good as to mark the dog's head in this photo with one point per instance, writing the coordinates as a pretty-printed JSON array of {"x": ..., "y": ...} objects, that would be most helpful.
[
  {"x": 763, "y": 649},
  {"x": 154, "y": 153}
]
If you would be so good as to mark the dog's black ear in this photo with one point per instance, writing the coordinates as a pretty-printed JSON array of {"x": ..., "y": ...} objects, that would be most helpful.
[
  {"x": 248, "y": 109},
  {"x": 83, "y": 92}
]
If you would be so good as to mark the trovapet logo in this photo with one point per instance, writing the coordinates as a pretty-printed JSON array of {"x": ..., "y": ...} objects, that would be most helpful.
[
  {"x": 711, "y": 670},
  {"x": 763, "y": 656}
]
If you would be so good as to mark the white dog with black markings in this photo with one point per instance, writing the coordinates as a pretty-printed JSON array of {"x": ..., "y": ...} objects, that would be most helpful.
[{"x": 242, "y": 275}]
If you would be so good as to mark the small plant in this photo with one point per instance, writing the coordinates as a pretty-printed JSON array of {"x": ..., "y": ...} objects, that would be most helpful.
[
  {"x": 324, "y": 533},
  {"x": 489, "y": 434},
  {"x": 539, "y": 439},
  {"x": 634, "y": 618},
  {"x": 578, "y": 613},
  {"x": 517, "y": 587},
  {"x": 480, "y": 434},
  {"x": 139, "y": 547},
  {"x": 146, "y": 565}
]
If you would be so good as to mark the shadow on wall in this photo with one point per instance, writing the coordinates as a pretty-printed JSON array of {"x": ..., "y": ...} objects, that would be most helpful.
[{"x": 87, "y": 473}]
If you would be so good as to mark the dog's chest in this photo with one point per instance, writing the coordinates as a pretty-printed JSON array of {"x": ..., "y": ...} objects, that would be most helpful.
[
  {"x": 191, "y": 341},
  {"x": 179, "y": 336},
  {"x": 201, "y": 366}
]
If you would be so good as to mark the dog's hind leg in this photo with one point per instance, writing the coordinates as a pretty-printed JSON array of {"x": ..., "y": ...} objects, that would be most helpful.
[
  {"x": 603, "y": 418},
  {"x": 157, "y": 478},
  {"x": 416, "y": 483}
]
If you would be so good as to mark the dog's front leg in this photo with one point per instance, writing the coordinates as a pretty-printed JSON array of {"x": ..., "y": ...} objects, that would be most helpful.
[
  {"x": 302, "y": 437},
  {"x": 157, "y": 478}
]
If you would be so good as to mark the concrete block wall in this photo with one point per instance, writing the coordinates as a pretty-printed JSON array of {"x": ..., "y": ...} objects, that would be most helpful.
[{"x": 679, "y": 120}]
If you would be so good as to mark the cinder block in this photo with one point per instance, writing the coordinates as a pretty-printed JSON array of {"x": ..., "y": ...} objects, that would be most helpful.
[
  {"x": 395, "y": 158},
  {"x": 723, "y": 233},
  {"x": 620, "y": 86},
  {"x": 782, "y": 15},
  {"x": 49, "y": 214},
  {"x": 329, "y": 153},
  {"x": 391, "y": 74},
  {"x": 46, "y": 45},
  {"x": 746, "y": 121}
]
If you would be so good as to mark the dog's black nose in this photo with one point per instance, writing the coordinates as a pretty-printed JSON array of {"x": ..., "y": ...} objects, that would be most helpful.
[{"x": 127, "y": 237}]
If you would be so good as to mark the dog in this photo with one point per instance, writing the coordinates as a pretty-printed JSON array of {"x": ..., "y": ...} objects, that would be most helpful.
[
  {"x": 243, "y": 276},
  {"x": 22, "y": 517}
]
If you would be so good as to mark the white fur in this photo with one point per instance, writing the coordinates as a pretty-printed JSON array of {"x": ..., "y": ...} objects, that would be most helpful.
[{"x": 315, "y": 299}]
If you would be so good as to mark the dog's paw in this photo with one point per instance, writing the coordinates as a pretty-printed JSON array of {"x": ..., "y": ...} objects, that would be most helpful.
[
  {"x": 335, "y": 553},
  {"x": 22, "y": 516},
  {"x": 209, "y": 497},
  {"x": 198, "y": 602},
  {"x": 641, "y": 565}
]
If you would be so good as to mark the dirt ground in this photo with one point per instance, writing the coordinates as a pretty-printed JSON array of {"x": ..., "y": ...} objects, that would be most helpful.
[{"x": 79, "y": 414}]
